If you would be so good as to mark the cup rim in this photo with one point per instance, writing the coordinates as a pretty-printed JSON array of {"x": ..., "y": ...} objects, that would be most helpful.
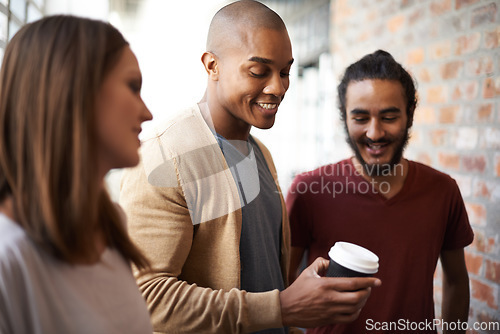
[{"x": 354, "y": 257}]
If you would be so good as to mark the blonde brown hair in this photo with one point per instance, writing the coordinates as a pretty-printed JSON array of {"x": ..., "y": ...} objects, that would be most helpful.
[{"x": 51, "y": 73}]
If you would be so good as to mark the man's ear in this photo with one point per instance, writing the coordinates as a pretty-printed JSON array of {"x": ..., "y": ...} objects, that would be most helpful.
[
  {"x": 210, "y": 63},
  {"x": 409, "y": 123}
]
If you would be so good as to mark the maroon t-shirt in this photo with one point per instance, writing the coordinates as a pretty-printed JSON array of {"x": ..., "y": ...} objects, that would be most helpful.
[{"x": 407, "y": 232}]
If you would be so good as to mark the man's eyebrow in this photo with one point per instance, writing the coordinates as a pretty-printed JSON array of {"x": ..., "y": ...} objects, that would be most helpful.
[
  {"x": 383, "y": 111},
  {"x": 266, "y": 60},
  {"x": 390, "y": 110},
  {"x": 358, "y": 112}
]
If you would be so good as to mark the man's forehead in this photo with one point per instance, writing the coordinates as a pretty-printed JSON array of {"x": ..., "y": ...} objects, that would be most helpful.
[
  {"x": 373, "y": 84},
  {"x": 376, "y": 93},
  {"x": 257, "y": 45}
]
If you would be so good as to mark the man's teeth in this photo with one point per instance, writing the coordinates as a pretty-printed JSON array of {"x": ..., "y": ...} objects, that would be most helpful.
[
  {"x": 376, "y": 147},
  {"x": 268, "y": 106}
]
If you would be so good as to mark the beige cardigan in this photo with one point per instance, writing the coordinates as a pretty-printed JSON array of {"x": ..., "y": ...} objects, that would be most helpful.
[{"x": 184, "y": 213}]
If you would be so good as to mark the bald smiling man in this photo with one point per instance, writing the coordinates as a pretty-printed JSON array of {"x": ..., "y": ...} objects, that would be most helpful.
[{"x": 205, "y": 206}]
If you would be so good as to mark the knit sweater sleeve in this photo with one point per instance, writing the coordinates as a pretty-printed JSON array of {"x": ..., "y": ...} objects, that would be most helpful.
[
  {"x": 159, "y": 223},
  {"x": 180, "y": 297}
]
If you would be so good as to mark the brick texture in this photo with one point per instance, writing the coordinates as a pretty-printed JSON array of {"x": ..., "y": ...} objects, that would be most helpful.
[
  {"x": 441, "y": 50},
  {"x": 493, "y": 271},
  {"x": 467, "y": 44},
  {"x": 449, "y": 161},
  {"x": 467, "y": 139},
  {"x": 451, "y": 70},
  {"x": 425, "y": 116},
  {"x": 473, "y": 164},
  {"x": 463, "y": 3},
  {"x": 484, "y": 15},
  {"x": 497, "y": 165},
  {"x": 484, "y": 293},
  {"x": 474, "y": 263},
  {"x": 396, "y": 23},
  {"x": 484, "y": 113},
  {"x": 436, "y": 94},
  {"x": 452, "y": 48},
  {"x": 480, "y": 65},
  {"x": 477, "y": 214},
  {"x": 490, "y": 138},
  {"x": 439, "y": 137},
  {"x": 482, "y": 243},
  {"x": 416, "y": 56},
  {"x": 492, "y": 39},
  {"x": 465, "y": 90},
  {"x": 482, "y": 189},
  {"x": 440, "y": 7}
]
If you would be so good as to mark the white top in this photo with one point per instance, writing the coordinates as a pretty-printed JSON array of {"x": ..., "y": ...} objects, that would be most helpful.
[{"x": 40, "y": 294}]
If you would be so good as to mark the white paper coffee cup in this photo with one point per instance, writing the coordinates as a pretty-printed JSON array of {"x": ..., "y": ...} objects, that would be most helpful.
[{"x": 350, "y": 260}]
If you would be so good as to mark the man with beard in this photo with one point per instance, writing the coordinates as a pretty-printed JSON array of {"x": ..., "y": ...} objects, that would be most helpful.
[{"x": 407, "y": 213}]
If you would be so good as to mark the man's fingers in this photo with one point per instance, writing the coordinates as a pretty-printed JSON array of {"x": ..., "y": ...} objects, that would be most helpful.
[
  {"x": 319, "y": 266},
  {"x": 312, "y": 300},
  {"x": 353, "y": 283}
]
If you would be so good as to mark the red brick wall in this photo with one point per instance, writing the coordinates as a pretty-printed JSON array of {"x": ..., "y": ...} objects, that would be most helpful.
[{"x": 452, "y": 47}]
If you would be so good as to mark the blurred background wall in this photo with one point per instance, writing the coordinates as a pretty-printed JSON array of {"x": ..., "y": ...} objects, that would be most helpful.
[{"x": 452, "y": 47}]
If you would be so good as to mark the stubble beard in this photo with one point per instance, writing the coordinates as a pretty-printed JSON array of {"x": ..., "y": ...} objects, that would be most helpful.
[{"x": 381, "y": 169}]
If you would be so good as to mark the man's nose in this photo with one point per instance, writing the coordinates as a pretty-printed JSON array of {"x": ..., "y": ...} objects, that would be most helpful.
[
  {"x": 277, "y": 85},
  {"x": 375, "y": 130}
]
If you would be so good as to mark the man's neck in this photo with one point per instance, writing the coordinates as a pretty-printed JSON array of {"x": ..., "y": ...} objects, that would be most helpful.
[
  {"x": 240, "y": 144},
  {"x": 388, "y": 184},
  {"x": 223, "y": 122}
]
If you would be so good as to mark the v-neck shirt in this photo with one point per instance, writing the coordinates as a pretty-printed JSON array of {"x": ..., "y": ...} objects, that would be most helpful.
[
  {"x": 260, "y": 240},
  {"x": 408, "y": 231}
]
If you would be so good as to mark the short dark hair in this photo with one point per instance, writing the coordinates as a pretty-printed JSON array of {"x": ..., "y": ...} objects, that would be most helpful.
[{"x": 378, "y": 65}]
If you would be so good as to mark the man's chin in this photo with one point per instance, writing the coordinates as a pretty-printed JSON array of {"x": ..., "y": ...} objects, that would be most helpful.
[{"x": 264, "y": 125}]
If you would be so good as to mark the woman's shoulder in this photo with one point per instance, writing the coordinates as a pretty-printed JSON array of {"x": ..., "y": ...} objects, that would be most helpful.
[
  {"x": 17, "y": 252},
  {"x": 12, "y": 236}
]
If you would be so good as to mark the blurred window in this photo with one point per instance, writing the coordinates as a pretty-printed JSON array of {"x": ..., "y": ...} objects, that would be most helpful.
[{"x": 14, "y": 14}]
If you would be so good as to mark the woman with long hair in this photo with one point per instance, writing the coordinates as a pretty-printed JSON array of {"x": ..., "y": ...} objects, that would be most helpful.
[{"x": 70, "y": 110}]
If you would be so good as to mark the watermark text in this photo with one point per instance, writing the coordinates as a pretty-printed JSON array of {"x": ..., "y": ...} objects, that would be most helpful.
[{"x": 429, "y": 325}]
